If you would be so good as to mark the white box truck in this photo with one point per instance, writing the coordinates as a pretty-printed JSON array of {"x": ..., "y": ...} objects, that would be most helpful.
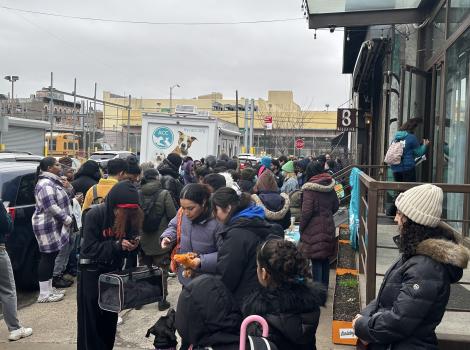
[{"x": 188, "y": 135}]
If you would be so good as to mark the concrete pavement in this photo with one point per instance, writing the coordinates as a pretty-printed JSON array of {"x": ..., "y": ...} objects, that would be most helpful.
[{"x": 55, "y": 324}]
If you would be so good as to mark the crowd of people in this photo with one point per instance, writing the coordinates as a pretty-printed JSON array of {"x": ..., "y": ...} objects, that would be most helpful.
[{"x": 229, "y": 218}]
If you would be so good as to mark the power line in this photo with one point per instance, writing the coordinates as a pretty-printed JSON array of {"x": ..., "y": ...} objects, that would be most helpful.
[{"x": 100, "y": 19}]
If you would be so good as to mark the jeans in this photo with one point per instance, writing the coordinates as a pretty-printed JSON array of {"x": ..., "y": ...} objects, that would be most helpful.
[
  {"x": 63, "y": 257},
  {"x": 8, "y": 292},
  {"x": 321, "y": 271}
]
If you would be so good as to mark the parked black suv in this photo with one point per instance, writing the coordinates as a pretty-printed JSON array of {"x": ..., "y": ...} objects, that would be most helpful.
[{"x": 17, "y": 182}]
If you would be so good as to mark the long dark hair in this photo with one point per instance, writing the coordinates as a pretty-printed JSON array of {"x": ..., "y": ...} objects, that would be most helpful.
[
  {"x": 283, "y": 261},
  {"x": 227, "y": 196},
  {"x": 411, "y": 124},
  {"x": 197, "y": 193},
  {"x": 412, "y": 233},
  {"x": 44, "y": 164}
]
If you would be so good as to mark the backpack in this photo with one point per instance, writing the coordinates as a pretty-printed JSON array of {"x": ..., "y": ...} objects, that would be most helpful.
[
  {"x": 395, "y": 152},
  {"x": 96, "y": 199},
  {"x": 152, "y": 218}
]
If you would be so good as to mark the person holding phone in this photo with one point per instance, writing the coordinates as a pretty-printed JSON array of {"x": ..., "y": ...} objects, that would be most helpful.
[{"x": 111, "y": 230}]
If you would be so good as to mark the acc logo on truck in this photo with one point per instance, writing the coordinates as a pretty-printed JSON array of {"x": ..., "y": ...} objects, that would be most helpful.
[{"x": 163, "y": 137}]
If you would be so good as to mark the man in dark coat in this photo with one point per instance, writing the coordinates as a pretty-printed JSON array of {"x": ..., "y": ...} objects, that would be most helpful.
[
  {"x": 88, "y": 175},
  {"x": 170, "y": 177},
  {"x": 317, "y": 227}
]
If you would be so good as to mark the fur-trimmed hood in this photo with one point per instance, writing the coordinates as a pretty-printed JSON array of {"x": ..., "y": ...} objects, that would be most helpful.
[
  {"x": 320, "y": 183},
  {"x": 444, "y": 251},
  {"x": 272, "y": 214}
]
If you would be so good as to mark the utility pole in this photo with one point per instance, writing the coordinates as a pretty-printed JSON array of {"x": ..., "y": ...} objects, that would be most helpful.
[
  {"x": 73, "y": 113},
  {"x": 171, "y": 96},
  {"x": 236, "y": 107},
  {"x": 252, "y": 122},
  {"x": 12, "y": 79},
  {"x": 51, "y": 114},
  {"x": 246, "y": 126},
  {"x": 129, "y": 122},
  {"x": 94, "y": 122}
]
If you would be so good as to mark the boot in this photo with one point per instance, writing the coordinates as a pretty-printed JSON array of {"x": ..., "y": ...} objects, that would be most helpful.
[{"x": 163, "y": 305}]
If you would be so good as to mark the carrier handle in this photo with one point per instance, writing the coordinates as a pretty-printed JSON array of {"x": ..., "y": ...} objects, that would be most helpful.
[{"x": 246, "y": 322}]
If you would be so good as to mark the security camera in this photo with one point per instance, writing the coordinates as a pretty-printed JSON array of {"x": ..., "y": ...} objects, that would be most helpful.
[{"x": 332, "y": 28}]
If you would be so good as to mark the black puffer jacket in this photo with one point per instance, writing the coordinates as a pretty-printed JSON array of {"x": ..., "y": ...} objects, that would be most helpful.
[
  {"x": 87, "y": 176},
  {"x": 236, "y": 260},
  {"x": 171, "y": 180},
  {"x": 276, "y": 207},
  {"x": 207, "y": 314},
  {"x": 292, "y": 312},
  {"x": 413, "y": 297}
]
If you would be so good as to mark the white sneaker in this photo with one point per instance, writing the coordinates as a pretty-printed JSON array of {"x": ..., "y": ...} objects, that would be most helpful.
[
  {"x": 58, "y": 291},
  {"x": 51, "y": 298},
  {"x": 20, "y": 333},
  {"x": 120, "y": 320}
]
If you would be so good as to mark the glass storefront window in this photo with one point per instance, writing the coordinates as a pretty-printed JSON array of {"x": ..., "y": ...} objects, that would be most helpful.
[
  {"x": 437, "y": 111},
  {"x": 436, "y": 33},
  {"x": 456, "y": 123},
  {"x": 458, "y": 11}
]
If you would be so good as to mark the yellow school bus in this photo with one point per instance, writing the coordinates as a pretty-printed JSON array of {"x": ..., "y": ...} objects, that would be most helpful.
[{"x": 63, "y": 144}]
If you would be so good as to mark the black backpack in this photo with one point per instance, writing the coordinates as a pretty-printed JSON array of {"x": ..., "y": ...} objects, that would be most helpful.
[{"x": 152, "y": 217}]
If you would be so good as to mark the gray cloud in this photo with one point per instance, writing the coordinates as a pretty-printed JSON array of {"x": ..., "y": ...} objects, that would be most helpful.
[{"x": 144, "y": 60}]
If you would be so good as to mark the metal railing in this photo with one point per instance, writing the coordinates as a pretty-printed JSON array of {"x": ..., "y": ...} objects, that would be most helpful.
[{"x": 369, "y": 209}]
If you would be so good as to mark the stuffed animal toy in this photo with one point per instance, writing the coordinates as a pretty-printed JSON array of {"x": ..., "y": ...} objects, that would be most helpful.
[
  {"x": 164, "y": 331},
  {"x": 187, "y": 260}
]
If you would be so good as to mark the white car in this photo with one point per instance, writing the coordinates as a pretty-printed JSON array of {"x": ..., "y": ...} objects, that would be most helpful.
[
  {"x": 243, "y": 157},
  {"x": 102, "y": 157}
]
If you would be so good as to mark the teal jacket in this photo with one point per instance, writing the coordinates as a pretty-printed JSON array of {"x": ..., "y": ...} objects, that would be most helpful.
[{"x": 411, "y": 151}]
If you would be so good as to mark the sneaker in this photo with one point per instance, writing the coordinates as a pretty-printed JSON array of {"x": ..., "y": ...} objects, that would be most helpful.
[
  {"x": 19, "y": 333},
  {"x": 59, "y": 282},
  {"x": 58, "y": 291},
  {"x": 51, "y": 298},
  {"x": 163, "y": 305},
  {"x": 120, "y": 320},
  {"x": 171, "y": 274}
]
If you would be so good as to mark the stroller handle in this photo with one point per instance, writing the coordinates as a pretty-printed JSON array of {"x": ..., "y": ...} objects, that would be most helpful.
[{"x": 246, "y": 322}]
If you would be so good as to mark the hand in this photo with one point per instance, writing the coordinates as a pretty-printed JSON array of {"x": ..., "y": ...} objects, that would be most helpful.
[
  {"x": 166, "y": 242},
  {"x": 196, "y": 263},
  {"x": 426, "y": 142},
  {"x": 79, "y": 198},
  {"x": 358, "y": 316},
  {"x": 128, "y": 245}
]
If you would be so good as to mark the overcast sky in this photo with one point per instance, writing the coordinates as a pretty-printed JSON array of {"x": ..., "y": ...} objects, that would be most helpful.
[{"x": 144, "y": 60}]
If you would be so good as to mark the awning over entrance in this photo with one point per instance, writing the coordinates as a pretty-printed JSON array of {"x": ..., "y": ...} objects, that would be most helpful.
[{"x": 352, "y": 13}]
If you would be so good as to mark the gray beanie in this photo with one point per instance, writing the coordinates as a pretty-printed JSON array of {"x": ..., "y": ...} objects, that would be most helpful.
[{"x": 422, "y": 204}]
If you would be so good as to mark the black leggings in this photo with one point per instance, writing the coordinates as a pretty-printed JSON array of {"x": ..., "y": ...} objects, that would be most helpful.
[{"x": 46, "y": 266}]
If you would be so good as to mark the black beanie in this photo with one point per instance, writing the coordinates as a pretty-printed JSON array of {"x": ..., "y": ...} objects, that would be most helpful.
[
  {"x": 133, "y": 165},
  {"x": 174, "y": 159},
  {"x": 123, "y": 192}
]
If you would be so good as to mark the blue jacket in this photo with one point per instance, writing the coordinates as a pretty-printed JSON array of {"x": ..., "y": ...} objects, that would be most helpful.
[{"x": 411, "y": 151}]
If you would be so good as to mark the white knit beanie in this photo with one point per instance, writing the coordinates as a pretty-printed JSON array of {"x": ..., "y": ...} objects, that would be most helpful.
[{"x": 422, "y": 204}]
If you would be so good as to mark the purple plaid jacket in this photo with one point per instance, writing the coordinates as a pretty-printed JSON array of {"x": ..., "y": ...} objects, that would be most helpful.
[{"x": 53, "y": 208}]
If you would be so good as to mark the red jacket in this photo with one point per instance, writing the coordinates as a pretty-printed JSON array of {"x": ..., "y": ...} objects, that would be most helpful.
[{"x": 317, "y": 227}]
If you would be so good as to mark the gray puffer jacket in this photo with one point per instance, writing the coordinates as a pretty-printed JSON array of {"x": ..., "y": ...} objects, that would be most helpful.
[{"x": 200, "y": 236}]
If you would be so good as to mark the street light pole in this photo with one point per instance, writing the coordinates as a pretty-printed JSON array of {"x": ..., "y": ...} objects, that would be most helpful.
[
  {"x": 12, "y": 79},
  {"x": 171, "y": 95}
]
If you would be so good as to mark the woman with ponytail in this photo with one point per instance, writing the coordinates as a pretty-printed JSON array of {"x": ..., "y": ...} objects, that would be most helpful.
[
  {"x": 287, "y": 298},
  {"x": 51, "y": 224},
  {"x": 245, "y": 228}
]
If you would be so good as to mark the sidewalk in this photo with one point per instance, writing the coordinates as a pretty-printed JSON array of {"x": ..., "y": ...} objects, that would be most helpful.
[{"x": 55, "y": 324}]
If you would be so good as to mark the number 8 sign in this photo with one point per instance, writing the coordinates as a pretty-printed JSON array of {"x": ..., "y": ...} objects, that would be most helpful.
[{"x": 346, "y": 119}]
